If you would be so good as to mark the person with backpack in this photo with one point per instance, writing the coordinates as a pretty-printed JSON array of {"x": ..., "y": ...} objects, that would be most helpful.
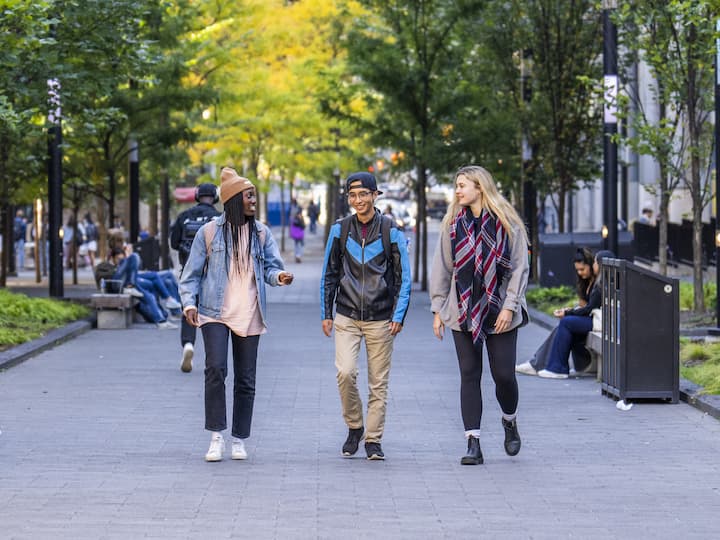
[
  {"x": 366, "y": 276},
  {"x": 90, "y": 238},
  {"x": 297, "y": 233},
  {"x": 182, "y": 234},
  {"x": 222, "y": 287}
]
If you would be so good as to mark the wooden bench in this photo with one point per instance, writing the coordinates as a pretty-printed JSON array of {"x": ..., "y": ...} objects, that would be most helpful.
[{"x": 113, "y": 310}]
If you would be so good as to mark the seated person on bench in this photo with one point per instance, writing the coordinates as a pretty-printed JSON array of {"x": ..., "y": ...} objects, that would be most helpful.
[
  {"x": 583, "y": 264},
  {"x": 574, "y": 324},
  {"x": 143, "y": 288}
]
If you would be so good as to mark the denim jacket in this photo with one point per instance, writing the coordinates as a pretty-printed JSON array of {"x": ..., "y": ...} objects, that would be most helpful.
[{"x": 204, "y": 286}]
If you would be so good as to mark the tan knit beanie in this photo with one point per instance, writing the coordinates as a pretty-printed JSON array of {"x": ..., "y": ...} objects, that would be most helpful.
[{"x": 231, "y": 184}]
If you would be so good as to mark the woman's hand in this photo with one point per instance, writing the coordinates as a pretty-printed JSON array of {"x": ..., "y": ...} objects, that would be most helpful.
[
  {"x": 438, "y": 327},
  {"x": 191, "y": 316},
  {"x": 285, "y": 278},
  {"x": 559, "y": 313},
  {"x": 503, "y": 321}
]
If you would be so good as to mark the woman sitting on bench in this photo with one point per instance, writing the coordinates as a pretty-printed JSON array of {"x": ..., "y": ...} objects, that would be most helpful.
[
  {"x": 574, "y": 324},
  {"x": 583, "y": 264}
]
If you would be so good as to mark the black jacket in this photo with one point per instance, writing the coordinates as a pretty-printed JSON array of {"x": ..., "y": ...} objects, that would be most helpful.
[
  {"x": 186, "y": 225},
  {"x": 358, "y": 277},
  {"x": 594, "y": 301}
]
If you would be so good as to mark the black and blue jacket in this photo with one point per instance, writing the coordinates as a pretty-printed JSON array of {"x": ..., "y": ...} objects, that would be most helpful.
[{"x": 360, "y": 279}]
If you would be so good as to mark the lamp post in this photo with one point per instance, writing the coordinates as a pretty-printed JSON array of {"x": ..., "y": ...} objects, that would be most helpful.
[
  {"x": 55, "y": 198},
  {"x": 717, "y": 174},
  {"x": 610, "y": 83},
  {"x": 134, "y": 173}
]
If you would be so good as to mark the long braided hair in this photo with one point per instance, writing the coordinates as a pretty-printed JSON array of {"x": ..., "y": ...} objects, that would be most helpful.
[{"x": 237, "y": 225}]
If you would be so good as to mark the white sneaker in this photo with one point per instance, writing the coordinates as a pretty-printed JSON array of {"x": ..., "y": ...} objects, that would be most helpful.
[
  {"x": 526, "y": 369},
  {"x": 217, "y": 447},
  {"x": 171, "y": 303},
  {"x": 132, "y": 291},
  {"x": 166, "y": 325},
  {"x": 187, "y": 356},
  {"x": 545, "y": 374},
  {"x": 238, "y": 449}
]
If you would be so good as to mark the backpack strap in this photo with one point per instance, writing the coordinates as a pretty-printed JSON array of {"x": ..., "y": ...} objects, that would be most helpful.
[
  {"x": 209, "y": 233},
  {"x": 385, "y": 226}
]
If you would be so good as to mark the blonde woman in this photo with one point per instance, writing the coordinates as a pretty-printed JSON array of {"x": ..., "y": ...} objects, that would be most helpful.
[{"x": 477, "y": 288}]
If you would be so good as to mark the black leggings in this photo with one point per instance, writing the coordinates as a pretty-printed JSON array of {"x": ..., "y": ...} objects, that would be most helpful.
[{"x": 502, "y": 352}]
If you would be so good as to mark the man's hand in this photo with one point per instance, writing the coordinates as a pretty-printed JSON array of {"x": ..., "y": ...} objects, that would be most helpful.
[
  {"x": 395, "y": 328},
  {"x": 503, "y": 321},
  {"x": 438, "y": 327},
  {"x": 327, "y": 326},
  {"x": 191, "y": 316},
  {"x": 285, "y": 278}
]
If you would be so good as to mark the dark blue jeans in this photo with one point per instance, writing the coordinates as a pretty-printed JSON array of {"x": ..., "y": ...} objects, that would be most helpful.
[
  {"x": 215, "y": 336},
  {"x": 570, "y": 329},
  {"x": 127, "y": 272}
]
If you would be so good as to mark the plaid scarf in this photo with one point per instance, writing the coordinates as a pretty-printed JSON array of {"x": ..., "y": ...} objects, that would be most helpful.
[{"x": 482, "y": 260}]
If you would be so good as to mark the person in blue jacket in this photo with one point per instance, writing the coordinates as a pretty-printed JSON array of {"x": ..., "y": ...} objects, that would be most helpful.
[{"x": 366, "y": 277}]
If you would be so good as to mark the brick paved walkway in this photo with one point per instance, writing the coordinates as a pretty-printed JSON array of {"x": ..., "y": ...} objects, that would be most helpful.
[{"x": 102, "y": 439}]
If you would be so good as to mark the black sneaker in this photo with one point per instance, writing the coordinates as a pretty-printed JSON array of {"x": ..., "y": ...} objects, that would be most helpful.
[
  {"x": 512, "y": 437},
  {"x": 352, "y": 442},
  {"x": 374, "y": 450}
]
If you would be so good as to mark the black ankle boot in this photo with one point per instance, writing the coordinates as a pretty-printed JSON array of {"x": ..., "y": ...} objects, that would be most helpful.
[
  {"x": 474, "y": 454},
  {"x": 512, "y": 437}
]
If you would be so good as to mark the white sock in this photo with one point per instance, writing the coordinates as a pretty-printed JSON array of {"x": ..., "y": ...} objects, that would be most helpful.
[
  {"x": 237, "y": 439},
  {"x": 509, "y": 417},
  {"x": 216, "y": 434}
]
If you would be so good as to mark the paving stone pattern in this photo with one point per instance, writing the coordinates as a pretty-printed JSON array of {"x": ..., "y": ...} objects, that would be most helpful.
[{"x": 102, "y": 438}]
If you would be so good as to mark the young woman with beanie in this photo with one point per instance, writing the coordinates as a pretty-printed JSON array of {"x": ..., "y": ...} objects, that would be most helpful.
[
  {"x": 477, "y": 289},
  {"x": 222, "y": 287}
]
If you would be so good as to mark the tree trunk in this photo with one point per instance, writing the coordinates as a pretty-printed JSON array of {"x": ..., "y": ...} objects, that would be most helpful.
[
  {"x": 662, "y": 223},
  {"x": 561, "y": 208},
  {"x": 421, "y": 224},
  {"x": 696, "y": 188},
  {"x": 7, "y": 236}
]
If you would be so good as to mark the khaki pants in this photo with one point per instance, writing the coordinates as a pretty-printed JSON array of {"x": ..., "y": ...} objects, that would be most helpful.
[{"x": 379, "y": 344}]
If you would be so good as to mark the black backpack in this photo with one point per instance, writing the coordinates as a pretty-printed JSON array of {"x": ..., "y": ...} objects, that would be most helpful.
[
  {"x": 190, "y": 227},
  {"x": 91, "y": 232}
]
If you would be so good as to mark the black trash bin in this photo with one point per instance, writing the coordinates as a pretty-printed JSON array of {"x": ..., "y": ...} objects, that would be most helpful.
[{"x": 640, "y": 315}]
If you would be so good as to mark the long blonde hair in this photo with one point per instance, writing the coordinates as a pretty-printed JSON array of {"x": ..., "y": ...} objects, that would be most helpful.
[{"x": 492, "y": 201}]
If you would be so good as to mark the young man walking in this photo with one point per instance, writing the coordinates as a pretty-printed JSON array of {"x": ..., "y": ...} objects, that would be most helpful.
[
  {"x": 182, "y": 233},
  {"x": 366, "y": 275}
]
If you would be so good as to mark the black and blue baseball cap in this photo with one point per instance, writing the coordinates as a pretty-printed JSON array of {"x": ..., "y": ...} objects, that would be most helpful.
[{"x": 361, "y": 179}]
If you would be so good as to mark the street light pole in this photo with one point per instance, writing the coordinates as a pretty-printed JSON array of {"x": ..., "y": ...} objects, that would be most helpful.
[
  {"x": 610, "y": 83},
  {"x": 55, "y": 198},
  {"x": 134, "y": 191},
  {"x": 717, "y": 175}
]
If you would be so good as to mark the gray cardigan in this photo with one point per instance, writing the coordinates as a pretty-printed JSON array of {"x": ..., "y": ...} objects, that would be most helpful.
[{"x": 443, "y": 296}]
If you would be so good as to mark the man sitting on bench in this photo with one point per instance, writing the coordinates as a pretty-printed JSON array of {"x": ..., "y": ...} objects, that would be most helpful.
[{"x": 133, "y": 283}]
